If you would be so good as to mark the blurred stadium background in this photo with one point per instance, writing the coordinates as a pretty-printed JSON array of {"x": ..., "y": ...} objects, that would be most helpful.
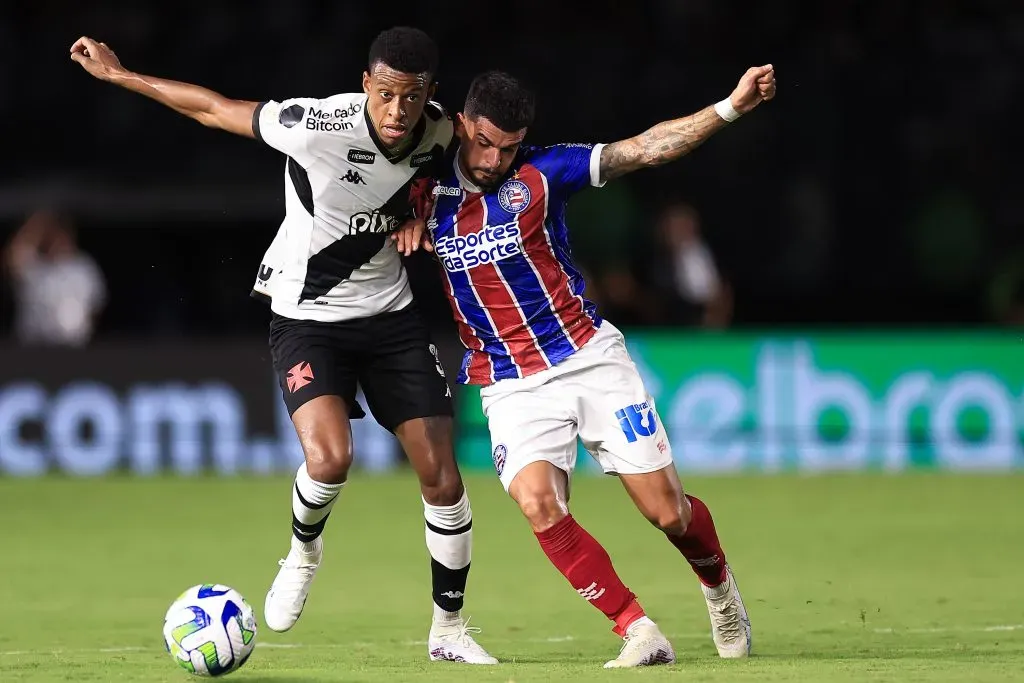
[{"x": 836, "y": 282}]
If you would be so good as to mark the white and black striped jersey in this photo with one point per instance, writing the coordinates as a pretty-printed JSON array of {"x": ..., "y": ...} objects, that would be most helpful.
[{"x": 331, "y": 259}]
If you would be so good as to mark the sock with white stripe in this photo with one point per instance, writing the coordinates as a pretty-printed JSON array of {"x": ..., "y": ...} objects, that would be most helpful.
[
  {"x": 311, "y": 506},
  {"x": 449, "y": 531}
]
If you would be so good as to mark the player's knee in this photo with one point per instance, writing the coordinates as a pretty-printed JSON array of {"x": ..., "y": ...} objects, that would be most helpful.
[
  {"x": 328, "y": 461},
  {"x": 673, "y": 519},
  {"x": 443, "y": 489},
  {"x": 543, "y": 509}
]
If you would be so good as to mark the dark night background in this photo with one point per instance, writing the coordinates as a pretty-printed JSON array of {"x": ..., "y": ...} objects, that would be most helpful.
[{"x": 880, "y": 188}]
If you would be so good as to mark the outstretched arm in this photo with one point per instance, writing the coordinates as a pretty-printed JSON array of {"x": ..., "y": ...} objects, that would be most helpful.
[
  {"x": 205, "y": 106},
  {"x": 671, "y": 140}
]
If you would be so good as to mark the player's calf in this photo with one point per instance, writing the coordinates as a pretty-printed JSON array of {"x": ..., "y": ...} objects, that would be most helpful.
[
  {"x": 448, "y": 521},
  {"x": 540, "y": 490},
  {"x": 449, "y": 532},
  {"x": 312, "y": 502},
  {"x": 323, "y": 429},
  {"x": 699, "y": 544}
]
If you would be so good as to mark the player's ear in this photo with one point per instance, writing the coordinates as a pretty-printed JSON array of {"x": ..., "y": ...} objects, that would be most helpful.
[
  {"x": 366, "y": 82},
  {"x": 432, "y": 90}
]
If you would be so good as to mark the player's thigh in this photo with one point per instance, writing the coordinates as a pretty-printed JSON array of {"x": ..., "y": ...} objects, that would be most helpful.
[
  {"x": 618, "y": 420},
  {"x": 316, "y": 371},
  {"x": 313, "y": 359},
  {"x": 401, "y": 375},
  {"x": 528, "y": 426},
  {"x": 325, "y": 433}
]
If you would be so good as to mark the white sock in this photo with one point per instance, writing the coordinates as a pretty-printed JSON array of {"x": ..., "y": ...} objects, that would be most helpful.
[
  {"x": 311, "y": 505},
  {"x": 645, "y": 620},
  {"x": 449, "y": 533}
]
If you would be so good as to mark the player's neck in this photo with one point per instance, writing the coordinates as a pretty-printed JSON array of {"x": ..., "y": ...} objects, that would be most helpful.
[
  {"x": 464, "y": 178},
  {"x": 398, "y": 149}
]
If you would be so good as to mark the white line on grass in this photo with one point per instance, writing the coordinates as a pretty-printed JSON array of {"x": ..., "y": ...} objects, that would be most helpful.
[
  {"x": 954, "y": 629},
  {"x": 1001, "y": 628}
]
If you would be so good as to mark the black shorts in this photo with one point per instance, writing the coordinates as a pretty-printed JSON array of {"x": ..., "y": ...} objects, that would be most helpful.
[{"x": 389, "y": 355}]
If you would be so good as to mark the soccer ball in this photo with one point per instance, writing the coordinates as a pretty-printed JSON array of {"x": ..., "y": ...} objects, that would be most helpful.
[{"x": 210, "y": 630}]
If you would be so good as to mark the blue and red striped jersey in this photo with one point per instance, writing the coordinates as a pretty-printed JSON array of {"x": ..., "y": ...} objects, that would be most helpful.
[{"x": 515, "y": 293}]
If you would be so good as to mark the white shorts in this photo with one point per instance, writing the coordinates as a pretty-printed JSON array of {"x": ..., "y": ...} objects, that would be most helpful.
[{"x": 596, "y": 394}]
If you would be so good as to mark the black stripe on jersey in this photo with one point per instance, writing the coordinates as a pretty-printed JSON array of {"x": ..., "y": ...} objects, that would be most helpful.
[
  {"x": 336, "y": 262},
  {"x": 300, "y": 181},
  {"x": 256, "y": 121}
]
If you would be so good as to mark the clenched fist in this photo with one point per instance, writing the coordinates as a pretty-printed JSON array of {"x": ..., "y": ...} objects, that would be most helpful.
[
  {"x": 96, "y": 58},
  {"x": 756, "y": 86}
]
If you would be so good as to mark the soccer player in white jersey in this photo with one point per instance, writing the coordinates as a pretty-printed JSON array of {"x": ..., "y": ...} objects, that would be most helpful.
[
  {"x": 550, "y": 368},
  {"x": 342, "y": 308}
]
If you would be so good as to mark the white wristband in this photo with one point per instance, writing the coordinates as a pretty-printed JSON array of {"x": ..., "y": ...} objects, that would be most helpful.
[{"x": 726, "y": 110}]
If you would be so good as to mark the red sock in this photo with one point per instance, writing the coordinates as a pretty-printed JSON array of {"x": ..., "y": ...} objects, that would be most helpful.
[
  {"x": 700, "y": 546},
  {"x": 586, "y": 565}
]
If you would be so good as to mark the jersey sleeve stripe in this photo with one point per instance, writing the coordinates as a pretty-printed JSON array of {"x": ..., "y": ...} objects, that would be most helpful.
[{"x": 256, "y": 122}]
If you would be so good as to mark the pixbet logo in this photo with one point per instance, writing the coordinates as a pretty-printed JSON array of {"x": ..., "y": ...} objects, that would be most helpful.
[
  {"x": 489, "y": 245},
  {"x": 371, "y": 222}
]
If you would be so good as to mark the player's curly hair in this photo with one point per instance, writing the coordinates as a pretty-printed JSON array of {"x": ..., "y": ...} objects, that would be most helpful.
[
  {"x": 501, "y": 99},
  {"x": 405, "y": 49}
]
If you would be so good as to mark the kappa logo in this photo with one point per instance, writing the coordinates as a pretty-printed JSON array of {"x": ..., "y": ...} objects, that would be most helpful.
[
  {"x": 514, "y": 196},
  {"x": 299, "y": 376},
  {"x": 353, "y": 177},
  {"x": 361, "y": 156},
  {"x": 498, "y": 457}
]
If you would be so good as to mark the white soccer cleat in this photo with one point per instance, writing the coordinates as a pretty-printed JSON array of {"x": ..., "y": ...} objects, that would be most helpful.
[
  {"x": 453, "y": 643},
  {"x": 730, "y": 625},
  {"x": 645, "y": 646},
  {"x": 287, "y": 595}
]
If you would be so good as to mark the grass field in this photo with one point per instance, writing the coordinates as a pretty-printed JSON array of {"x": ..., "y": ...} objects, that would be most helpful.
[{"x": 851, "y": 578}]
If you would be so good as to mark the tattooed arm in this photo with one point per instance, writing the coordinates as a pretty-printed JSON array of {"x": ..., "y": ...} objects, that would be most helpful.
[
  {"x": 665, "y": 142},
  {"x": 672, "y": 140}
]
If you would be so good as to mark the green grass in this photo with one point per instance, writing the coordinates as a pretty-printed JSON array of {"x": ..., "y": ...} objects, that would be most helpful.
[{"x": 847, "y": 578}]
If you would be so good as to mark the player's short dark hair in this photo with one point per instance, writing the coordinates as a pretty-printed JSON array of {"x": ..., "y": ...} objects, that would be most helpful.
[
  {"x": 501, "y": 99},
  {"x": 405, "y": 49}
]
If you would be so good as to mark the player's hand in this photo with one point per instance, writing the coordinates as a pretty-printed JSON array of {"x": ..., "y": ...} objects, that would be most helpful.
[
  {"x": 96, "y": 58},
  {"x": 411, "y": 236},
  {"x": 756, "y": 86}
]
